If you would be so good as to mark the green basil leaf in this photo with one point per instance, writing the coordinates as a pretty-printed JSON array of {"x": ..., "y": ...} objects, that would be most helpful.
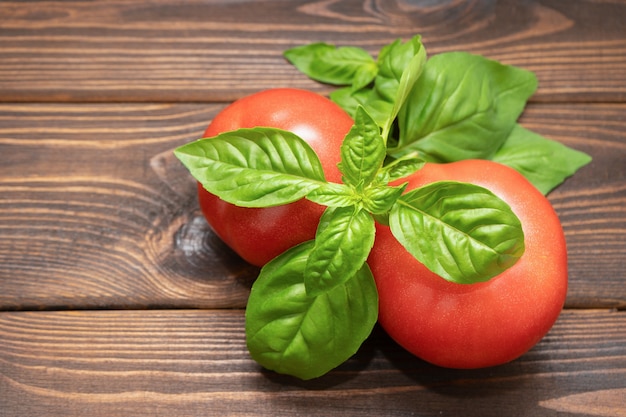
[
  {"x": 364, "y": 76},
  {"x": 400, "y": 168},
  {"x": 401, "y": 67},
  {"x": 343, "y": 241},
  {"x": 292, "y": 333},
  {"x": 463, "y": 106},
  {"x": 338, "y": 66},
  {"x": 257, "y": 167},
  {"x": 393, "y": 60},
  {"x": 462, "y": 232},
  {"x": 334, "y": 195},
  {"x": 380, "y": 199},
  {"x": 378, "y": 109},
  {"x": 350, "y": 100},
  {"x": 544, "y": 162},
  {"x": 363, "y": 151}
]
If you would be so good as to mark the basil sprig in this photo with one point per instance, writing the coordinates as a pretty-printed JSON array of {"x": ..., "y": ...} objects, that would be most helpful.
[
  {"x": 312, "y": 307},
  {"x": 463, "y": 106}
]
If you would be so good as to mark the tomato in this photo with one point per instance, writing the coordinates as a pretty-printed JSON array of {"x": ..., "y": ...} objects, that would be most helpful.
[
  {"x": 260, "y": 234},
  {"x": 484, "y": 324}
]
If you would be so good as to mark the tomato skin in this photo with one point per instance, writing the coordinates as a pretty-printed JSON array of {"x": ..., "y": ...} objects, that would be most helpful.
[
  {"x": 484, "y": 324},
  {"x": 260, "y": 234}
]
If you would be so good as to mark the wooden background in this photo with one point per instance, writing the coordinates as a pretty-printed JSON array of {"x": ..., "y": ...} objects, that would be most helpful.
[{"x": 116, "y": 299}]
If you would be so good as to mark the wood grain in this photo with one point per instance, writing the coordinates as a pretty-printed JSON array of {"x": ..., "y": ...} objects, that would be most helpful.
[
  {"x": 97, "y": 213},
  {"x": 592, "y": 203},
  {"x": 189, "y": 363},
  {"x": 217, "y": 51}
]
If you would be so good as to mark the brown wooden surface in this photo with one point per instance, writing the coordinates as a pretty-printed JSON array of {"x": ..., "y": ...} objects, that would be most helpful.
[
  {"x": 166, "y": 50},
  {"x": 194, "y": 363},
  {"x": 116, "y": 299}
]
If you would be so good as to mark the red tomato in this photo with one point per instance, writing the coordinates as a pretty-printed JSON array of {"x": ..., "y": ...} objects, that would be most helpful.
[
  {"x": 260, "y": 234},
  {"x": 476, "y": 325}
]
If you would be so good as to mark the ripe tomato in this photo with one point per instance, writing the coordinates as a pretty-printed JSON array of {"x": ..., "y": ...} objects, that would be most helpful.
[
  {"x": 484, "y": 324},
  {"x": 260, "y": 234}
]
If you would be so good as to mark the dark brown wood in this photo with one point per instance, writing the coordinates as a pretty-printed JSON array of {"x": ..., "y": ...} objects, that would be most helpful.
[
  {"x": 220, "y": 50},
  {"x": 189, "y": 363},
  {"x": 98, "y": 213},
  {"x": 117, "y": 299},
  {"x": 592, "y": 203}
]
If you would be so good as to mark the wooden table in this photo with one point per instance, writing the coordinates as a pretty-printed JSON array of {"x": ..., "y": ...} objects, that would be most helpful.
[{"x": 116, "y": 299}]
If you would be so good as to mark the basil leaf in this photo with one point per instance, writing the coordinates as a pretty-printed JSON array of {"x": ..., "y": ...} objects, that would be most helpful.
[
  {"x": 363, "y": 151},
  {"x": 257, "y": 167},
  {"x": 463, "y": 106},
  {"x": 350, "y": 100},
  {"x": 462, "y": 232},
  {"x": 292, "y": 333},
  {"x": 380, "y": 199},
  {"x": 343, "y": 241},
  {"x": 334, "y": 195},
  {"x": 400, "y": 168},
  {"x": 339, "y": 66},
  {"x": 544, "y": 162},
  {"x": 400, "y": 67},
  {"x": 392, "y": 62}
]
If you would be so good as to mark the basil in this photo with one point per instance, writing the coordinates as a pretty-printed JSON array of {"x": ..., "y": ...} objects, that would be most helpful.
[
  {"x": 329, "y": 64},
  {"x": 455, "y": 106},
  {"x": 343, "y": 241},
  {"x": 312, "y": 306},
  {"x": 362, "y": 151},
  {"x": 291, "y": 331},
  {"x": 463, "y": 106},
  {"x": 258, "y": 167},
  {"x": 399, "y": 67},
  {"x": 544, "y": 162},
  {"x": 462, "y": 232}
]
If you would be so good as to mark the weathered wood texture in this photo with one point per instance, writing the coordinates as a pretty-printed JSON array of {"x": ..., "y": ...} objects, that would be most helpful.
[
  {"x": 216, "y": 51},
  {"x": 97, "y": 215},
  {"x": 191, "y": 363},
  {"x": 96, "y": 211}
]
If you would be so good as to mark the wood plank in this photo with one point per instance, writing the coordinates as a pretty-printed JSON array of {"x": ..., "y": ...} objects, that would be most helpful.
[
  {"x": 194, "y": 362},
  {"x": 97, "y": 213},
  {"x": 217, "y": 51},
  {"x": 592, "y": 203}
]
